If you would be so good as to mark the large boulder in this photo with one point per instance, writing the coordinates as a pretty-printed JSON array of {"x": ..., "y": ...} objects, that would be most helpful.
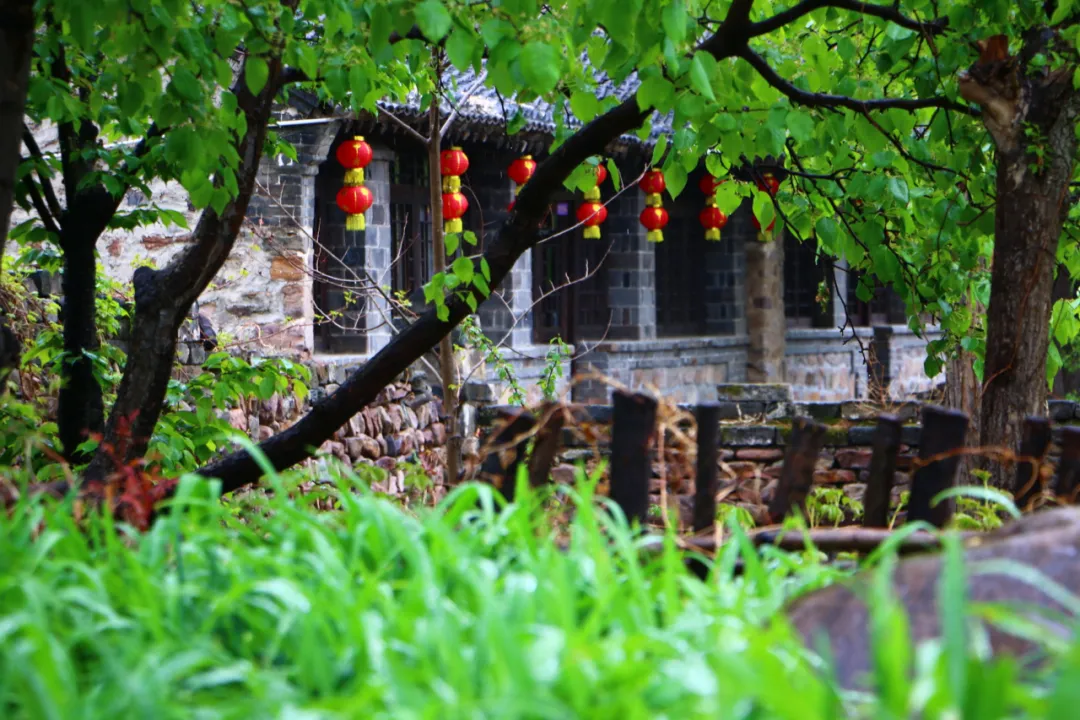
[{"x": 1047, "y": 541}]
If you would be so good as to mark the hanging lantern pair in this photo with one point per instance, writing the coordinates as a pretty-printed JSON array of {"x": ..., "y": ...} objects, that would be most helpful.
[
  {"x": 592, "y": 213},
  {"x": 521, "y": 170},
  {"x": 654, "y": 217},
  {"x": 711, "y": 218},
  {"x": 452, "y": 165},
  {"x": 771, "y": 185},
  {"x": 355, "y": 198}
]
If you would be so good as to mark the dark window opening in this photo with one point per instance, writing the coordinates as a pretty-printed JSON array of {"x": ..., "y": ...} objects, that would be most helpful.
[
  {"x": 804, "y": 276},
  {"x": 410, "y": 223},
  {"x": 579, "y": 310},
  {"x": 681, "y": 269},
  {"x": 884, "y": 308}
]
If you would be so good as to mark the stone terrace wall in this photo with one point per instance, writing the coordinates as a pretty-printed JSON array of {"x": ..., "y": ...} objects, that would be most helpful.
[{"x": 825, "y": 364}]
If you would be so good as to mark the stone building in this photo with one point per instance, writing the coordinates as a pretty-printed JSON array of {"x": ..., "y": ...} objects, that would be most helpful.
[{"x": 680, "y": 316}]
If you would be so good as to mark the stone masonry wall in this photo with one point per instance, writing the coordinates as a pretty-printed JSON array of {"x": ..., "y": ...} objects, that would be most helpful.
[{"x": 825, "y": 365}]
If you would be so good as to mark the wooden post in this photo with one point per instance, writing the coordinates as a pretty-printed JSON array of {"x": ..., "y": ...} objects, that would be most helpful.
[
  {"x": 943, "y": 431},
  {"x": 500, "y": 467},
  {"x": 797, "y": 473},
  {"x": 1068, "y": 472},
  {"x": 708, "y": 432},
  {"x": 1034, "y": 442},
  {"x": 879, "y": 482},
  {"x": 548, "y": 440},
  {"x": 632, "y": 429}
]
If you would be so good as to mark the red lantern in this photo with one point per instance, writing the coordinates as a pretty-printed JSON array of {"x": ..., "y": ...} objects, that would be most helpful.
[
  {"x": 713, "y": 220},
  {"x": 601, "y": 174},
  {"x": 708, "y": 184},
  {"x": 653, "y": 182},
  {"x": 452, "y": 164},
  {"x": 354, "y": 200},
  {"x": 654, "y": 219},
  {"x": 521, "y": 170},
  {"x": 593, "y": 215},
  {"x": 354, "y": 155},
  {"x": 455, "y": 205}
]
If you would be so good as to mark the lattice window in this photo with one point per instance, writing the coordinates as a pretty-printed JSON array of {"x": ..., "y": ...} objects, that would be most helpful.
[
  {"x": 410, "y": 222},
  {"x": 884, "y": 308},
  {"x": 681, "y": 270},
  {"x": 581, "y": 310}
]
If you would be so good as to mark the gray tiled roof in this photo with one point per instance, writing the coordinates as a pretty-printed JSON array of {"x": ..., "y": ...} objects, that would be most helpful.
[{"x": 485, "y": 109}]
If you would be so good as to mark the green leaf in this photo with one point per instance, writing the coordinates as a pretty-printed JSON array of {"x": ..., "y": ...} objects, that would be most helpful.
[
  {"x": 256, "y": 73},
  {"x": 613, "y": 171},
  {"x": 673, "y": 20},
  {"x": 433, "y": 20},
  {"x": 675, "y": 179},
  {"x": 540, "y": 69},
  {"x": 463, "y": 268},
  {"x": 358, "y": 84},
  {"x": 460, "y": 47},
  {"x": 826, "y": 231},
  {"x": 470, "y": 238},
  {"x": 699, "y": 78},
  {"x": 452, "y": 241},
  {"x": 658, "y": 150},
  {"x": 266, "y": 387},
  {"x": 800, "y": 125},
  {"x": 470, "y": 300},
  {"x": 584, "y": 105},
  {"x": 484, "y": 269},
  {"x": 898, "y": 188},
  {"x": 764, "y": 210},
  {"x": 656, "y": 92}
]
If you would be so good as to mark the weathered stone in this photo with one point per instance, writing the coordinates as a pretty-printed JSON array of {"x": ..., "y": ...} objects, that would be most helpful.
[
  {"x": 381, "y": 440},
  {"x": 849, "y": 458},
  {"x": 388, "y": 464},
  {"x": 331, "y": 388},
  {"x": 740, "y": 469},
  {"x": 833, "y": 477},
  {"x": 429, "y": 436},
  {"x": 861, "y": 435},
  {"x": 369, "y": 447},
  {"x": 385, "y": 424},
  {"x": 478, "y": 392},
  {"x": 1062, "y": 410},
  {"x": 761, "y": 392},
  {"x": 909, "y": 435},
  {"x": 438, "y": 433},
  {"x": 467, "y": 420},
  {"x": 1047, "y": 542},
  {"x": 409, "y": 415},
  {"x": 396, "y": 420},
  {"x": 470, "y": 448},
  {"x": 356, "y": 425},
  {"x": 856, "y": 491},
  {"x": 355, "y": 447},
  {"x": 238, "y": 420},
  {"x": 265, "y": 432},
  {"x": 563, "y": 474},
  {"x": 290, "y": 269},
  {"x": 336, "y": 374},
  {"x": 748, "y": 435},
  {"x": 759, "y": 454},
  {"x": 393, "y": 445},
  {"x": 821, "y": 410}
]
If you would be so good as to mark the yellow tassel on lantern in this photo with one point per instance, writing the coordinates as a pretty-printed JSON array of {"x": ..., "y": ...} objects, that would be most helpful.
[
  {"x": 355, "y": 176},
  {"x": 453, "y": 226},
  {"x": 451, "y": 184},
  {"x": 355, "y": 222},
  {"x": 712, "y": 234},
  {"x": 654, "y": 200},
  {"x": 592, "y": 232},
  {"x": 655, "y": 235},
  {"x": 593, "y": 194}
]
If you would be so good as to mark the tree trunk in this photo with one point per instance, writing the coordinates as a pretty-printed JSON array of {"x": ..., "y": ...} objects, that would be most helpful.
[
  {"x": 16, "y": 48},
  {"x": 1033, "y": 174},
  {"x": 962, "y": 392},
  {"x": 164, "y": 297},
  {"x": 447, "y": 360},
  {"x": 81, "y": 409}
]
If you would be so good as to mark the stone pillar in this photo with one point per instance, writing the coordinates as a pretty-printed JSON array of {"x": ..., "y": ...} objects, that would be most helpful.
[
  {"x": 840, "y": 287},
  {"x": 631, "y": 271},
  {"x": 765, "y": 322},
  {"x": 378, "y": 250}
]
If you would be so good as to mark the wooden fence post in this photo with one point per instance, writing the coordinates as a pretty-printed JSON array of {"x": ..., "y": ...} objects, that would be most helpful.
[
  {"x": 633, "y": 427},
  {"x": 879, "y": 481},
  {"x": 797, "y": 473},
  {"x": 1068, "y": 471},
  {"x": 548, "y": 441},
  {"x": 500, "y": 467},
  {"x": 708, "y": 432},
  {"x": 1034, "y": 442},
  {"x": 943, "y": 431}
]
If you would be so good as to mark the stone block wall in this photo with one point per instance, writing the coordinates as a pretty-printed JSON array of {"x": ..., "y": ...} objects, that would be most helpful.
[
  {"x": 898, "y": 356},
  {"x": 825, "y": 364}
]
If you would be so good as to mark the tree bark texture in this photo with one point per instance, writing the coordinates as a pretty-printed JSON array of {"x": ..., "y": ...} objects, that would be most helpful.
[
  {"x": 16, "y": 49},
  {"x": 81, "y": 409},
  {"x": 1033, "y": 174}
]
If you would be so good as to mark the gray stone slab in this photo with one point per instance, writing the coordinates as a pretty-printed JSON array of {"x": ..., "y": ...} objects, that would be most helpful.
[
  {"x": 761, "y": 392},
  {"x": 821, "y": 410},
  {"x": 748, "y": 435},
  {"x": 1062, "y": 410}
]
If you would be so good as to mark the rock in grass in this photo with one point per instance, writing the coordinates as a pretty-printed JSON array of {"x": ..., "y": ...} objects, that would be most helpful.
[{"x": 1048, "y": 542}]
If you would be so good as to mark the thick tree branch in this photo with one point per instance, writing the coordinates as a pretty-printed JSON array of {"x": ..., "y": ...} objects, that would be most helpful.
[
  {"x": 823, "y": 100},
  {"x": 40, "y": 207},
  {"x": 16, "y": 50},
  {"x": 53, "y": 204},
  {"x": 517, "y": 236},
  {"x": 885, "y": 12}
]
